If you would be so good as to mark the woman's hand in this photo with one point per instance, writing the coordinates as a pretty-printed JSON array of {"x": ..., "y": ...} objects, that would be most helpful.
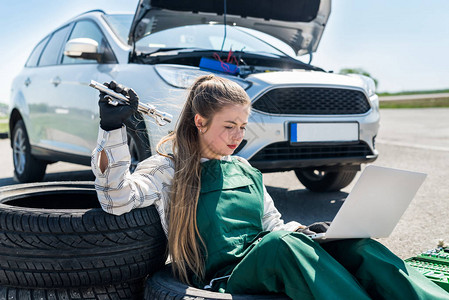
[
  {"x": 317, "y": 227},
  {"x": 112, "y": 117}
]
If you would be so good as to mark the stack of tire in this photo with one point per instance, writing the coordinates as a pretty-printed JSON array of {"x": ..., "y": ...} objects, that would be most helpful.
[{"x": 57, "y": 243}]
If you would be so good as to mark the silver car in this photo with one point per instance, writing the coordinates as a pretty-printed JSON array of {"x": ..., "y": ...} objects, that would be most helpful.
[{"x": 320, "y": 124}]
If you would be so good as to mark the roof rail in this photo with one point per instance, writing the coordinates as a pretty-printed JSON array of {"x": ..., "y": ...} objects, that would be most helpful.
[{"x": 89, "y": 11}]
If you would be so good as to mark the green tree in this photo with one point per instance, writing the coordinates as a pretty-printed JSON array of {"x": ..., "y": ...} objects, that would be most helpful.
[{"x": 358, "y": 71}]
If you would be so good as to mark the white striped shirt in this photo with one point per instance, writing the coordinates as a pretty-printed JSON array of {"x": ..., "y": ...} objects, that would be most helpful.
[{"x": 119, "y": 191}]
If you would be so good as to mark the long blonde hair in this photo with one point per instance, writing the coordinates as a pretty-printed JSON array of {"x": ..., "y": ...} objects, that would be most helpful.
[{"x": 207, "y": 96}]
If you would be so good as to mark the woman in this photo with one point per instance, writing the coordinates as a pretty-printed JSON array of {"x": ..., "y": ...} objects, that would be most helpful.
[{"x": 222, "y": 227}]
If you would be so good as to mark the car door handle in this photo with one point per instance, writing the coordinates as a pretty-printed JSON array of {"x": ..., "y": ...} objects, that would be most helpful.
[
  {"x": 27, "y": 81},
  {"x": 56, "y": 81}
]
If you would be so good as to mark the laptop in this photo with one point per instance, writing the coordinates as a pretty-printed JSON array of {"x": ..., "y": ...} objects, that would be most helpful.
[{"x": 375, "y": 204}]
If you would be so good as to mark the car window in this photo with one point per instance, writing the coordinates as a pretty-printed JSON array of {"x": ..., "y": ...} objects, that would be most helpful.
[
  {"x": 52, "y": 50},
  {"x": 88, "y": 29},
  {"x": 34, "y": 56}
]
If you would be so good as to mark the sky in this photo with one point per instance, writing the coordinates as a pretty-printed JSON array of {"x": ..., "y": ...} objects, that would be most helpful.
[{"x": 402, "y": 43}]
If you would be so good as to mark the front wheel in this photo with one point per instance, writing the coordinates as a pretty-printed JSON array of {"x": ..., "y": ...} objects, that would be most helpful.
[
  {"x": 318, "y": 180},
  {"x": 139, "y": 147},
  {"x": 27, "y": 168}
]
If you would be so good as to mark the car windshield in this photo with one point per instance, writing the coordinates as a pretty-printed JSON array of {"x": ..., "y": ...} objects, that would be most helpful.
[
  {"x": 120, "y": 24},
  {"x": 202, "y": 36},
  {"x": 208, "y": 37}
]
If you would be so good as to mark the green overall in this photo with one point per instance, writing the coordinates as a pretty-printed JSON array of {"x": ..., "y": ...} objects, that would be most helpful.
[{"x": 229, "y": 218}]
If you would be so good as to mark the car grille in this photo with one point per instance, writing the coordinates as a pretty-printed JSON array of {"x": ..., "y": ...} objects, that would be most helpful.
[
  {"x": 313, "y": 101},
  {"x": 286, "y": 151}
]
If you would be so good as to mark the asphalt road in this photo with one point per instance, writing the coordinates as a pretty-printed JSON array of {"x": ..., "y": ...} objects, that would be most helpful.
[{"x": 411, "y": 139}]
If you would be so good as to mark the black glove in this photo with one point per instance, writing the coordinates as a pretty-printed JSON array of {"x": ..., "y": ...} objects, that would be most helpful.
[
  {"x": 317, "y": 227},
  {"x": 112, "y": 117}
]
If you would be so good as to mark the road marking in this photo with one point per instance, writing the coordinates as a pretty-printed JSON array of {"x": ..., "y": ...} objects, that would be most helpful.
[{"x": 410, "y": 145}]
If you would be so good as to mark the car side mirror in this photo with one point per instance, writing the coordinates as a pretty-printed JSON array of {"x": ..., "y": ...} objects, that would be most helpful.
[{"x": 83, "y": 48}]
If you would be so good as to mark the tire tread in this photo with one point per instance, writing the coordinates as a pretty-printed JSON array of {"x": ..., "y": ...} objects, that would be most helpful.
[
  {"x": 330, "y": 182},
  {"x": 132, "y": 290},
  {"x": 163, "y": 286},
  {"x": 45, "y": 248}
]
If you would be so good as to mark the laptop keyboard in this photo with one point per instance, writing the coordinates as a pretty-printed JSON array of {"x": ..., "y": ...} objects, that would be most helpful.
[{"x": 434, "y": 264}]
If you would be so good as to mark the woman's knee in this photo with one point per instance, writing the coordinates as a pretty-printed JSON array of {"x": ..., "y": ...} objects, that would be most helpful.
[
  {"x": 283, "y": 244},
  {"x": 282, "y": 237},
  {"x": 349, "y": 246},
  {"x": 367, "y": 247}
]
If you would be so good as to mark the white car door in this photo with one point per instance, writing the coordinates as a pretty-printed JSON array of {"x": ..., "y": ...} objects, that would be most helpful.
[
  {"x": 39, "y": 91},
  {"x": 78, "y": 102},
  {"x": 26, "y": 84}
]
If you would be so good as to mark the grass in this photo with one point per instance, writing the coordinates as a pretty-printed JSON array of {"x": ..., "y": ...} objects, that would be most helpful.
[
  {"x": 3, "y": 124},
  {"x": 414, "y": 92},
  {"x": 418, "y": 103}
]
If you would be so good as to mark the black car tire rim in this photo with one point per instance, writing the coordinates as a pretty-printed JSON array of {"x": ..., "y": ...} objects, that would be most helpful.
[{"x": 19, "y": 150}]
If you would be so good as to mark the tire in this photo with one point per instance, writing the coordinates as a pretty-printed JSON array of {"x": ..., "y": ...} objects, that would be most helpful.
[
  {"x": 27, "y": 168},
  {"x": 55, "y": 235},
  {"x": 123, "y": 291},
  {"x": 318, "y": 180},
  {"x": 163, "y": 286},
  {"x": 139, "y": 146}
]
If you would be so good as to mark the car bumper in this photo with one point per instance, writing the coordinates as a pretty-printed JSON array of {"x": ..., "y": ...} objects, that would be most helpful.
[
  {"x": 269, "y": 149},
  {"x": 322, "y": 163}
]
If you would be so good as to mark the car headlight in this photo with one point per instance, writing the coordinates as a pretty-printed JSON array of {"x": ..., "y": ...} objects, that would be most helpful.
[
  {"x": 370, "y": 86},
  {"x": 368, "y": 83},
  {"x": 184, "y": 76},
  {"x": 375, "y": 101}
]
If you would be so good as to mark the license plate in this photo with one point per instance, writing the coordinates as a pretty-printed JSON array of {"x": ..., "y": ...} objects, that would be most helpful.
[{"x": 324, "y": 132}]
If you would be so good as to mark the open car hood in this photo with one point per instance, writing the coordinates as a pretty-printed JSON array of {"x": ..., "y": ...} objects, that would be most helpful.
[{"x": 299, "y": 23}]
